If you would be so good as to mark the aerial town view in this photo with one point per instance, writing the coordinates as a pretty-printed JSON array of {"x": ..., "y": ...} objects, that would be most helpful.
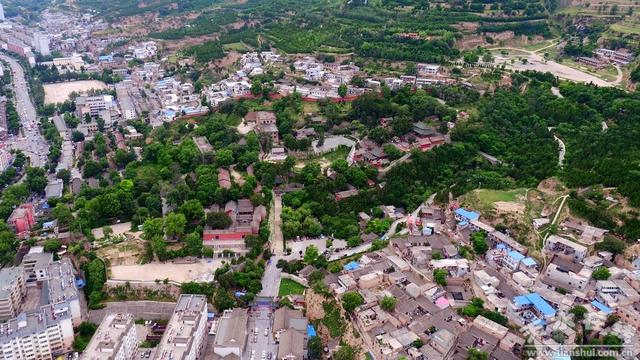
[{"x": 319, "y": 179}]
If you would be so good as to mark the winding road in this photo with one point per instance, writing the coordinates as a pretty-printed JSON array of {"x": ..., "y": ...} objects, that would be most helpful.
[{"x": 29, "y": 141}]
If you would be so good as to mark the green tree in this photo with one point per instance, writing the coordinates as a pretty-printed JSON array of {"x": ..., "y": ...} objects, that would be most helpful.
[
  {"x": 52, "y": 245},
  {"x": 342, "y": 90},
  {"x": 351, "y": 300},
  {"x": 388, "y": 303},
  {"x": 601, "y": 273},
  {"x": 224, "y": 157},
  {"x": 63, "y": 214},
  {"x": 578, "y": 312},
  {"x": 471, "y": 58},
  {"x": 152, "y": 229},
  {"x": 193, "y": 244},
  {"x": 315, "y": 348},
  {"x": 310, "y": 254},
  {"x": 479, "y": 240},
  {"x": 64, "y": 175},
  {"x": 440, "y": 276},
  {"x": 36, "y": 179},
  {"x": 611, "y": 340},
  {"x": 77, "y": 136},
  {"x": 193, "y": 211},
  {"x": 100, "y": 122},
  {"x": 218, "y": 220},
  {"x": 475, "y": 354},
  {"x": 346, "y": 352},
  {"x": 174, "y": 224}
]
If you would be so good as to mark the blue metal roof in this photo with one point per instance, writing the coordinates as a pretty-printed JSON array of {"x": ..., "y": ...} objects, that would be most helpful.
[
  {"x": 352, "y": 266},
  {"x": 469, "y": 215},
  {"x": 537, "y": 301},
  {"x": 515, "y": 255},
  {"x": 311, "y": 331},
  {"x": 600, "y": 306},
  {"x": 501, "y": 246},
  {"x": 529, "y": 262},
  {"x": 463, "y": 223}
]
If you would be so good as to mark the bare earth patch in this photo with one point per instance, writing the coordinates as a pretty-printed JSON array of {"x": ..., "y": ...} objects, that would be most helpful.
[
  {"x": 59, "y": 92},
  {"x": 507, "y": 206},
  {"x": 201, "y": 270}
]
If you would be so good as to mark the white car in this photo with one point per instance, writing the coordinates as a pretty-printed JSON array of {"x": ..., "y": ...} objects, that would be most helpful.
[{"x": 266, "y": 332}]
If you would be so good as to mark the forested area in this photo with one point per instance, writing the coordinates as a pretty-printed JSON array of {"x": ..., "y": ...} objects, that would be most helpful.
[
  {"x": 518, "y": 128},
  {"x": 205, "y": 24},
  {"x": 205, "y": 52},
  {"x": 371, "y": 30},
  {"x": 114, "y": 9}
]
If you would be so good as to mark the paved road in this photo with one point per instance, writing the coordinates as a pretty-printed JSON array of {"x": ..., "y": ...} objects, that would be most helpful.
[
  {"x": 277, "y": 240},
  {"x": 272, "y": 275},
  {"x": 30, "y": 141},
  {"x": 271, "y": 279},
  {"x": 258, "y": 342}
]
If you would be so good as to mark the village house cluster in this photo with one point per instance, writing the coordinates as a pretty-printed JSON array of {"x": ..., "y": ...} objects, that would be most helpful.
[{"x": 534, "y": 295}]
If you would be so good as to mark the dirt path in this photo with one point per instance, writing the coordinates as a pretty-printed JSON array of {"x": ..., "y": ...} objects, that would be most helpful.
[
  {"x": 553, "y": 43},
  {"x": 618, "y": 79},
  {"x": 562, "y": 150}
]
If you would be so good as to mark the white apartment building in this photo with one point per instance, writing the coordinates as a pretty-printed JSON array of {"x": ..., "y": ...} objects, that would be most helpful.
[
  {"x": 616, "y": 293},
  {"x": 41, "y": 43},
  {"x": 61, "y": 290},
  {"x": 74, "y": 61},
  {"x": 184, "y": 338},
  {"x": 145, "y": 50},
  {"x": 428, "y": 69},
  {"x": 93, "y": 105},
  {"x": 127, "y": 107},
  {"x": 6, "y": 159},
  {"x": 13, "y": 289},
  {"x": 566, "y": 278},
  {"x": 41, "y": 334},
  {"x": 567, "y": 248},
  {"x": 115, "y": 339},
  {"x": 36, "y": 264}
]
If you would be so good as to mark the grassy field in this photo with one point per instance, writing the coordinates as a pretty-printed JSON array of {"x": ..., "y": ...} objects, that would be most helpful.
[
  {"x": 239, "y": 47},
  {"x": 490, "y": 196},
  {"x": 483, "y": 199},
  {"x": 626, "y": 27},
  {"x": 290, "y": 287}
]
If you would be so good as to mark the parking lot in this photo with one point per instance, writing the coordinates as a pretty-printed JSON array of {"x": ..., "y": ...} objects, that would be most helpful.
[{"x": 257, "y": 342}]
